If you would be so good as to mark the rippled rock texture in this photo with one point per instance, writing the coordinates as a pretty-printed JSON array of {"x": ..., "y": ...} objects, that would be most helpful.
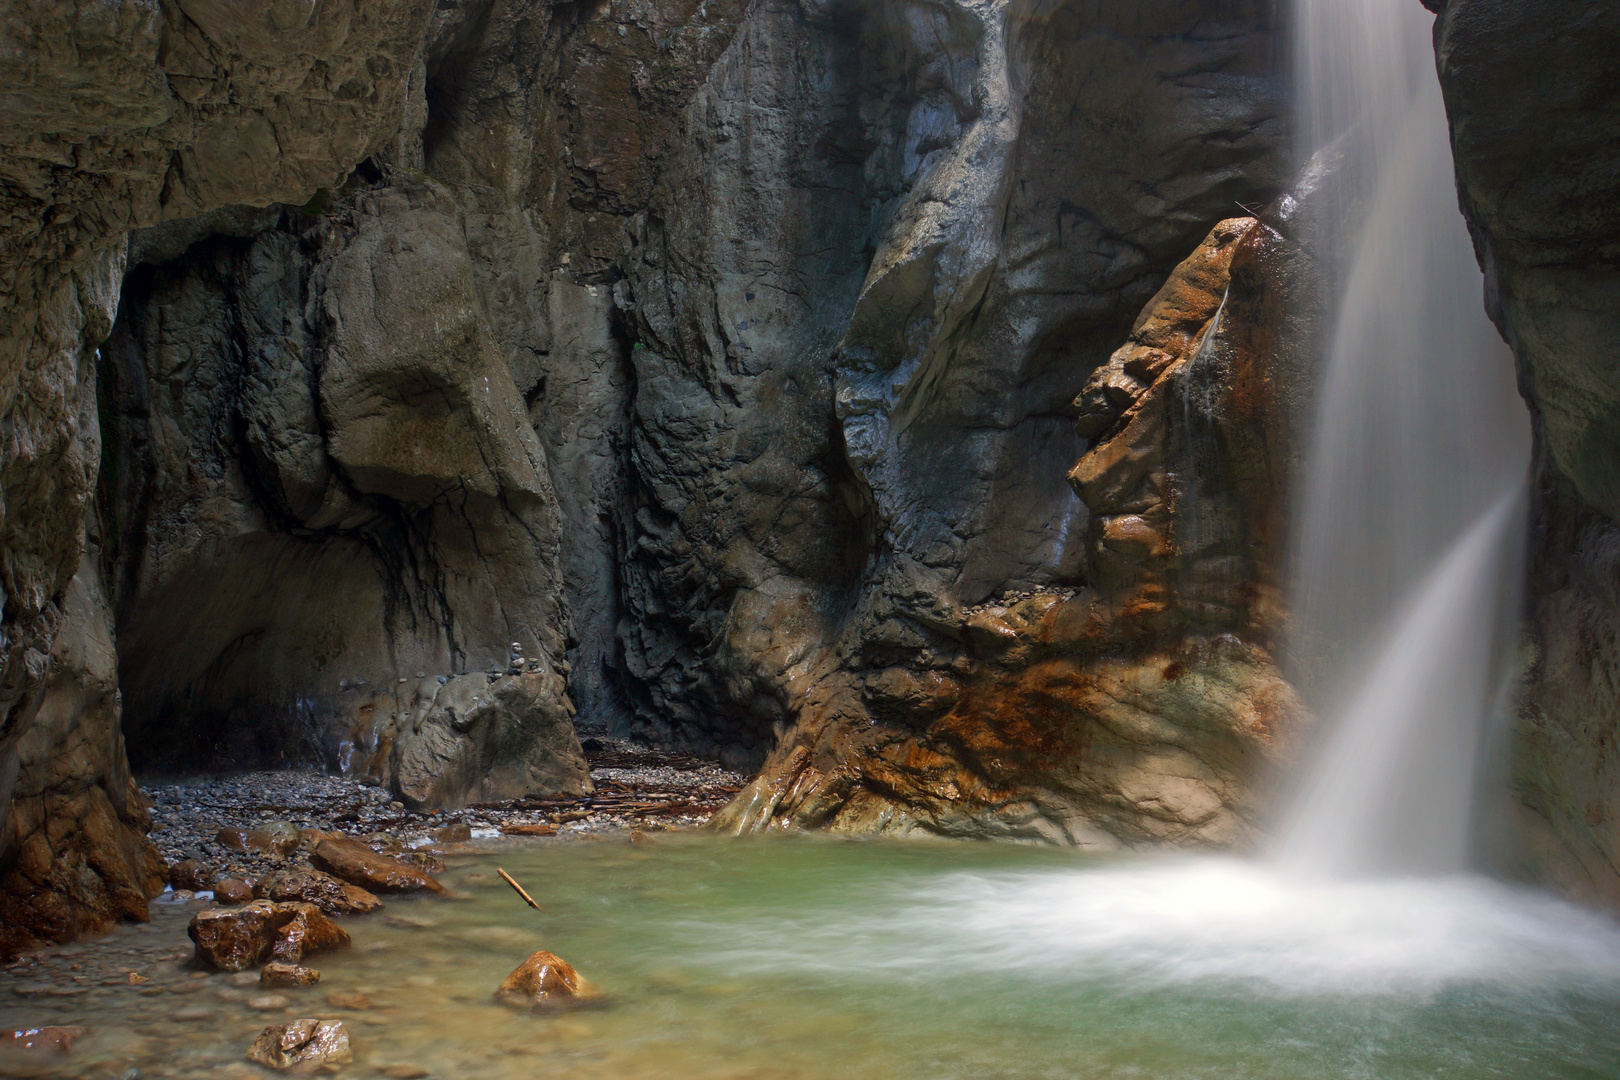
[{"x": 1530, "y": 91}]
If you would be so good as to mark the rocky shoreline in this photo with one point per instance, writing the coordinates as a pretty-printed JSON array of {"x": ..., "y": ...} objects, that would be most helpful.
[{"x": 250, "y": 832}]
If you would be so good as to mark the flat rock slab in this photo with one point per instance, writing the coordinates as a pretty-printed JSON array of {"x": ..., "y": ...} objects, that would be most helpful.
[
  {"x": 357, "y": 864},
  {"x": 234, "y": 939},
  {"x": 277, "y": 975},
  {"x": 302, "y": 1043}
]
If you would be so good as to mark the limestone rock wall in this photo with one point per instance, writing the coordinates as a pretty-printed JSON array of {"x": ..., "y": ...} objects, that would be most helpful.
[
  {"x": 115, "y": 116},
  {"x": 1530, "y": 90}
]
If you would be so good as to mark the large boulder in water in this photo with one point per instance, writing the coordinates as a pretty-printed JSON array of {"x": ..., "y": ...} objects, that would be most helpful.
[
  {"x": 302, "y": 1044},
  {"x": 544, "y": 980}
]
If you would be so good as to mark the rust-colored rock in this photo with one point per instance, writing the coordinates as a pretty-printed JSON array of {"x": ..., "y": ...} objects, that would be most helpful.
[
  {"x": 357, "y": 864},
  {"x": 191, "y": 874},
  {"x": 44, "y": 1040},
  {"x": 279, "y": 838},
  {"x": 302, "y": 1044},
  {"x": 528, "y": 830},
  {"x": 230, "y": 890},
  {"x": 544, "y": 980},
  {"x": 234, "y": 939},
  {"x": 326, "y": 892},
  {"x": 277, "y": 976}
]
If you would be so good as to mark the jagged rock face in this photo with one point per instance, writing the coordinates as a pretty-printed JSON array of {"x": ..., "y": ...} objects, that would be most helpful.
[
  {"x": 115, "y": 116},
  {"x": 1529, "y": 90},
  {"x": 719, "y": 354},
  {"x": 1142, "y": 706},
  {"x": 332, "y": 506}
]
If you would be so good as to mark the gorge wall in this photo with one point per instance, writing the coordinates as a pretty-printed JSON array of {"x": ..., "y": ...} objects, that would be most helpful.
[
  {"x": 1530, "y": 90},
  {"x": 896, "y": 397}
]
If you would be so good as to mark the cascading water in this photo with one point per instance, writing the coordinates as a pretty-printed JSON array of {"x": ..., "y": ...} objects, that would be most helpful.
[{"x": 1411, "y": 507}]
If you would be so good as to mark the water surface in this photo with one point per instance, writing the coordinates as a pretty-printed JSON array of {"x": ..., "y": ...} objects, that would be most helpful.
[{"x": 814, "y": 957}]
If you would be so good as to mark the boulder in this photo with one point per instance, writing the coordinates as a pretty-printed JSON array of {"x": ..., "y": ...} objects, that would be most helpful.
[
  {"x": 326, "y": 892},
  {"x": 277, "y": 975},
  {"x": 302, "y": 1044},
  {"x": 544, "y": 980},
  {"x": 235, "y": 939},
  {"x": 230, "y": 890},
  {"x": 357, "y": 864}
]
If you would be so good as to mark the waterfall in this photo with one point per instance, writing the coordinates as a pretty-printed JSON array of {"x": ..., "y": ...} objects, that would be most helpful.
[{"x": 1411, "y": 508}]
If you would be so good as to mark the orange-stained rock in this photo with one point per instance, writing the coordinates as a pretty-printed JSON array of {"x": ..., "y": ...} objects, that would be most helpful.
[
  {"x": 230, "y": 890},
  {"x": 316, "y": 887},
  {"x": 234, "y": 939},
  {"x": 277, "y": 975},
  {"x": 272, "y": 838},
  {"x": 543, "y": 980},
  {"x": 47, "y": 1040},
  {"x": 357, "y": 864},
  {"x": 304, "y": 1044}
]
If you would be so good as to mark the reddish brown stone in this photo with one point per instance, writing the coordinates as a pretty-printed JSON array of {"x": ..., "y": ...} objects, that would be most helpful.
[
  {"x": 357, "y": 864},
  {"x": 235, "y": 939},
  {"x": 229, "y": 890},
  {"x": 190, "y": 874},
  {"x": 326, "y": 892},
  {"x": 47, "y": 1040},
  {"x": 272, "y": 838},
  {"x": 544, "y": 980}
]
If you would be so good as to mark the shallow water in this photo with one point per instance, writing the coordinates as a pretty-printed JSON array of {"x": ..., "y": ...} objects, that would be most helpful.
[{"x": 823, "y": 958}]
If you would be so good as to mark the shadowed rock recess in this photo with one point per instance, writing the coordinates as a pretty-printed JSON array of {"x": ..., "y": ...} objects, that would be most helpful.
[{"x": 822, "y": 386}]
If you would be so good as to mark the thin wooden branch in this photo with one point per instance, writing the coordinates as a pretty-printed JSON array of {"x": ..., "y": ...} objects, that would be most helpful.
[{"x": 527, "y": 899}]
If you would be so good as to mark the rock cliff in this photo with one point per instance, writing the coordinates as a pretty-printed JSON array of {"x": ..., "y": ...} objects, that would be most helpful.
[{"x": 1530, "y": 90}]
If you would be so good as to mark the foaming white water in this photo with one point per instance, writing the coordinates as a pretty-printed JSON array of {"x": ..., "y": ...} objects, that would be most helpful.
[
  {"x": 1191, "y": 922},
  {"x": 1408, "y": 511}
]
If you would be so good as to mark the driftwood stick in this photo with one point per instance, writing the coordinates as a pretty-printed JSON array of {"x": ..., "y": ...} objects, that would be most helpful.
[{"x": 527, "y": 899}]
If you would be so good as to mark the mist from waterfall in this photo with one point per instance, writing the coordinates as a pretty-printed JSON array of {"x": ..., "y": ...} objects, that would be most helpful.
[{"x": 1411, "y": 510}]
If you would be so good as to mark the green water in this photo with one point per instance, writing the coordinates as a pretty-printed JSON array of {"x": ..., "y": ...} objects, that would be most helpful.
[{"x": 812, "y": 958}]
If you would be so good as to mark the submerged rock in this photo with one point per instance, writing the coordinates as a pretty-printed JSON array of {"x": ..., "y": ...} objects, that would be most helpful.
[
  {"x": 332, "y": 896},
  {"x": 239, "y": 938},
  {"x": 305, "y": 1042},
  {"x": 49, "y": 1040},
  {"x": 357, "y": 864},
  {"x": 544, "y": 980}
]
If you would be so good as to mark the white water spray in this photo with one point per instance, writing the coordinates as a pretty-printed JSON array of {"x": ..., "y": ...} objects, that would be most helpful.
[{"x": 1411, "y": 507}]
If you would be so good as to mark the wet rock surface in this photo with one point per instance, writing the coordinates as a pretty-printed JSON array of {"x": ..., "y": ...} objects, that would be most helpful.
[
  {"x": 354, "y": 862},
  {"x": 233, "y": 939},
  {"x": 278, "y": 974},
  {"x": 302, "y": 1044},
  {"x": 1528, "y": 90},
  {"x": 331, "y": 895},
  {"x": 543, "y": 981}
]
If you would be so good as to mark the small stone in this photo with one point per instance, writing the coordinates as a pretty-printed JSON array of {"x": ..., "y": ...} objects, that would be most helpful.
[
  {"x": 45, "y": 1040},
  {"x": 543, "y": 980},
  {"x": 190, "y": 875},
  {"x": 302, "y": 1043},
  {"x": 529, "y": 830},
  {"x": 194, "y": 1013},
  {"x": 230, "y": 890},
  {"x": 277, "y": 974},
  {"x": 404, "y": 1072},
  {"x": 268, "y": 1002}
]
